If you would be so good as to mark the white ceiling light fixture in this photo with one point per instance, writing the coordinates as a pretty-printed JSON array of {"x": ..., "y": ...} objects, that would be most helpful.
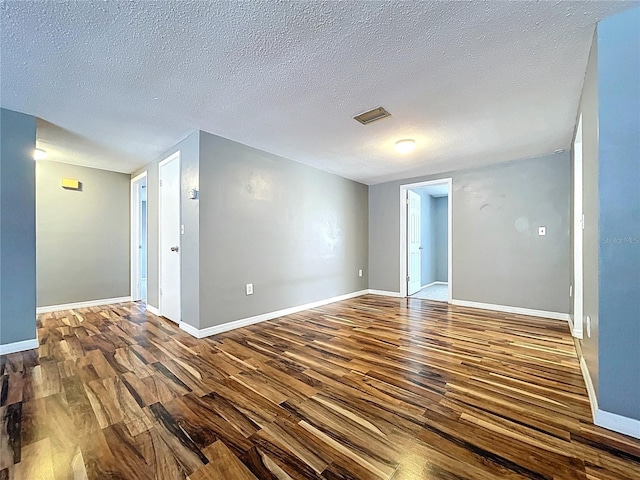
[
  {"x": 39, "y": 154},
  {"x": 406, "y": 145}
]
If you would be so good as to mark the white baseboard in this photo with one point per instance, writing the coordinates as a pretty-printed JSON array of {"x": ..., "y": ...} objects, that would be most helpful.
[
  {"x": 152, "y": 309},
  {"x": 191, "y": 330},
  {"x": 434, "y": 283},
  {"x": 19, "y": 346},
  {"x": 90, "y": 303},
  {"x": 516, "y": 310},
  {"x": 384, "y": 293},
  {"x": 243, "y": 322},
  {"x": 570, "y": 320},
  {"x": 602, "y": 418},
  {"x": 573, "y": 327},
  {"x": 591, "y": 391},
  {"x": 618, "y": 423}
]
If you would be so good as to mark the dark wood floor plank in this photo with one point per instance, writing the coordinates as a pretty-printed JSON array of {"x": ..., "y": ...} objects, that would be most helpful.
[
  {"x": 183, "y": 447},
  {"x": 368, "y": 388},
  {"x": 198, "y": 418},
  {"x": 10, "y": 435}
]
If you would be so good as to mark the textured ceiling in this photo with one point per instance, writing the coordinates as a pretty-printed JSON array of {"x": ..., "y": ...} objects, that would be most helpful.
[{"x": 472, "y": 82}]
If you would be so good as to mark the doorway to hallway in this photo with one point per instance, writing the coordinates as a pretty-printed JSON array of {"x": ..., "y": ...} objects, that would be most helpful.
[
  {"x": 139, "y": 237},
  {"x": 426, "y": 238}
]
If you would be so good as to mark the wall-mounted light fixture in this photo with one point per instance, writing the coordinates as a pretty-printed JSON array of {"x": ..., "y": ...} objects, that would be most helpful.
[
  {"x": 71, "y": 184},
  {"x": 39, "y": 154}
]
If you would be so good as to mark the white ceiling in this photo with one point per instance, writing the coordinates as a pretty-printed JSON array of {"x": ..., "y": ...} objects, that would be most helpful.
[{"x": 472, "y": 82}]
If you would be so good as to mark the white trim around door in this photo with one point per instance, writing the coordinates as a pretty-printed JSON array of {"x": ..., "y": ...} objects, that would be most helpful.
[
  {"x": 577, "y": 290},
  {"x": 403, "y": 231},
  {"x": 136, "y": 235}
]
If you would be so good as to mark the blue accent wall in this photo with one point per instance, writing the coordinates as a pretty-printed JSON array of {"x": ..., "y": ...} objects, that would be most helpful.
[
  {"x": 17, "y": 227},
  {"x": 619, "y": 217}
]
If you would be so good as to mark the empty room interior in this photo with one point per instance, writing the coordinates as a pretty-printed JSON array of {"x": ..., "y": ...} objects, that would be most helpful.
[{"x": 320, "y": 240}]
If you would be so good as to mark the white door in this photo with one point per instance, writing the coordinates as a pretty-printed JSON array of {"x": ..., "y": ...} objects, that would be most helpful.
[
  {"x": 578, "y": 232},
  {"x": 170, "y": 238},
  {"x": 414, "y": 248}
]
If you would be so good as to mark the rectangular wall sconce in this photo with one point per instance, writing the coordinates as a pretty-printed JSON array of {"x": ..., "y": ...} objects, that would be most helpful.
[{"x": 71, "y": 184}]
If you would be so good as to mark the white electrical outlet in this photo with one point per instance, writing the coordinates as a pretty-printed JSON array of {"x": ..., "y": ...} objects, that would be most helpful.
[
  {"x": 249, "y": 288},
  {"x": 588, "y": 326},
  {"x": 542, "y": 231},
  {"x": 360, "y": 272}
]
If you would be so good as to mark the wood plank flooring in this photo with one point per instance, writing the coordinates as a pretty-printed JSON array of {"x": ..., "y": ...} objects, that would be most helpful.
[{"x": 368, "y": 388}]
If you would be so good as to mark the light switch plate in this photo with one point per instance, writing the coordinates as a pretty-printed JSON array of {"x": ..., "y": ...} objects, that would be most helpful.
[
  {"x": 542, "y": 231},
  {"x": 360, "y": 272},
  {"x": 249, "y": 288}
]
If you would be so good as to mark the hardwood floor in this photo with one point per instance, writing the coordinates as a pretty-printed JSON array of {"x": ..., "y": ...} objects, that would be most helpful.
[{"x": 373, "y": 387}]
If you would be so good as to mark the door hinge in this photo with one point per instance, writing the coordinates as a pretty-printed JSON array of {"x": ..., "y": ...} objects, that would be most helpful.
[
  {"x": 408, "y": 278},
  {"x": 160, "y": 182},
  {"x": 582, "y": 221},
  {"x": 407, "y": 201}
]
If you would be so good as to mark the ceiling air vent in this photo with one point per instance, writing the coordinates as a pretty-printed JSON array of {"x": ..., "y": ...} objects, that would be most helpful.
[{"x": 371, "y": 116}]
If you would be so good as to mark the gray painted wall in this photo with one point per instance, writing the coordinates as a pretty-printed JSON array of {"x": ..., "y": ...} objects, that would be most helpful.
[
  {"x": 384, "y": 240},
  {"x": 190, "y": 248},
  {"x": 83, "y": 250},
  {"x": 589, "y": 111},
  {"x": 498, "y": 257},
  {"x": 428, "y": 257},
  {"x": 441, "y": 238},
  {"x": 619, "y": 211},
  {"x": 297, "y": 233},
  {"x": 17, "y": 227}
]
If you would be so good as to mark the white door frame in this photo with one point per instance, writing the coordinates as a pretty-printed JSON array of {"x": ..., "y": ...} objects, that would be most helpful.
[
  {"x": 136, "y": 232},
  {"x": 170, "y": 158},
  {"x": 578, "y": 237},
  {"x": 403, "y": 231}
]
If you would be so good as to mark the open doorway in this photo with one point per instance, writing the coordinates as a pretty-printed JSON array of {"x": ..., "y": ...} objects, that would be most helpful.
[
  {"x": 425, "y": 240},
  {"x": 139, "y": 238}
]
